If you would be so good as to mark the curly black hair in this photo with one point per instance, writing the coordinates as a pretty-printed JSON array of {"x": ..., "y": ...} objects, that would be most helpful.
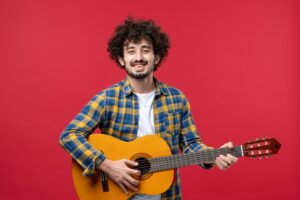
[{"x": 136, "y": 30}]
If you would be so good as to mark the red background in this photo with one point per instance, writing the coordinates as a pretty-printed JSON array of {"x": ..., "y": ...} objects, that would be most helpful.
[{"x": 237, "y": 61}]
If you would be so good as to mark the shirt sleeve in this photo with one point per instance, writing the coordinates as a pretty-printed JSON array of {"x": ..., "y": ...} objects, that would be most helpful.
[
  {"x": 74, "y": 137},
  {"x": 190, "y": 140}
]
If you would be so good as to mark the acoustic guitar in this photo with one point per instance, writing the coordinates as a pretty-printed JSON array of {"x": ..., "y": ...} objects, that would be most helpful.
[{"x": 156, "y": 163}]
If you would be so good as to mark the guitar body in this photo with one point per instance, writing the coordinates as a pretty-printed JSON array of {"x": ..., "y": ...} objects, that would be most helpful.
[
  {"x": 156, "y": 163},
  {"x": 150, "y": 146}
]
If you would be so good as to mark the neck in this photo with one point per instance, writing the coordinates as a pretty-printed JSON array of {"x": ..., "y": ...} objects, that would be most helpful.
[
  {"x": 144, "y": 85},
  {"x": 207, "y": 156}
]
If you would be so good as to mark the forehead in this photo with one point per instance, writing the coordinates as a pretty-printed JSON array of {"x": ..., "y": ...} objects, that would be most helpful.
[{"x": 141, "y": 43}]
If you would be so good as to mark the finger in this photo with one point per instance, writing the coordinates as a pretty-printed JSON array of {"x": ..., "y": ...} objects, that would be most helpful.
[
  {"x": 228, "y": 144},
  {"x": 132, "y": 180},
  {"x": 130, "y": 186},
  {"x": 232, "y": 158},
  {"x": 226, "y": 159},
  {"x": 123, "y": 188},
  {"x": 131, "y": 162},
  {"x": 134, "y": 172},
  {"x": 221, "y": 163},
  {"x": 229, "y": 159}
]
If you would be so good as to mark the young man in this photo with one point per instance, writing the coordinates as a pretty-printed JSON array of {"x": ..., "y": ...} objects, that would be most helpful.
[{"x": 134, "y": 107}]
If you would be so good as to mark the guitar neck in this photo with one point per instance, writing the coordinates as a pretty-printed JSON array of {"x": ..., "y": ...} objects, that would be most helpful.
[{"x": 206, "y": 156}]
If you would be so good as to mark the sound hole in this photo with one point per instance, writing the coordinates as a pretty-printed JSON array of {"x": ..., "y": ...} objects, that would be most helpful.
[{"x": 144, "y": 165}]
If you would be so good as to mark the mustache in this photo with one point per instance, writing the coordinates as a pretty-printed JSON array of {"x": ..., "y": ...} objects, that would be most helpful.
[{"x": 139, "y": 62}]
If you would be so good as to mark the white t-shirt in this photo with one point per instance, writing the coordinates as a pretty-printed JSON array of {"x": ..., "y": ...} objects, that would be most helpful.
[
  {"x": 146, "y": 116},
  {"x": 146, "y": 127}
]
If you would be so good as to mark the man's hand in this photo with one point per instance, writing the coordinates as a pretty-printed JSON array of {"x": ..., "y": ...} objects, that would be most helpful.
[
  {"x": 224, "y": 162},
  {"x": 121, "y": 173}
]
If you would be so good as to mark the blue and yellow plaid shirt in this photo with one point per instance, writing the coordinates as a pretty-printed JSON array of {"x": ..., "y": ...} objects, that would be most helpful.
[{"x": 115, "y": 111}]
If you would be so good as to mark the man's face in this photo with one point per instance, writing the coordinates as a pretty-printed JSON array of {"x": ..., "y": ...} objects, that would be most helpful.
[{"x": 139, "y": 59}]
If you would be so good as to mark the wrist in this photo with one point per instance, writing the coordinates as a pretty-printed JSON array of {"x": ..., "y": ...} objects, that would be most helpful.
[
  {"x": 98, "y": 163},
  {"x": 103, "y": 165}
]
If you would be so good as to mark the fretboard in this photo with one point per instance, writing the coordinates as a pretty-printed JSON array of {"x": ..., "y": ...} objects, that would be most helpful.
[{"x": 206, "y": 156}]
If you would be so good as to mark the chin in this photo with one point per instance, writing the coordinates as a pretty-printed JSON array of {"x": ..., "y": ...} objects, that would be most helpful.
[{"x": 138, "y": 75}]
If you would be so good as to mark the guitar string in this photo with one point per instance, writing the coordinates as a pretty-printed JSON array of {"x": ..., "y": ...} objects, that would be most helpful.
[
  {"x": 187, "y": 160},
  {"x": 166, "y": 165},
  {"x": 183, "y": 159},
  {"x": 199, "y": 157}
]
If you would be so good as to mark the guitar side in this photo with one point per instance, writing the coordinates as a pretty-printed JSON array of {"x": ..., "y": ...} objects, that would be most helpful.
[{"x": 150, "y": 146}]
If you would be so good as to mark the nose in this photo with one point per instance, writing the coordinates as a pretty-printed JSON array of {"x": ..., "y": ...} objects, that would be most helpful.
[{"x": 139, "y": 56}]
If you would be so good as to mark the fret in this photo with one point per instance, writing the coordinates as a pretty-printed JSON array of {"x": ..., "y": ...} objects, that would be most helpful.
[
  {"x": 197, "y": 158},
  {"x": 185, "y": 159},
  {"x": 212, "y": 157},
  {"x": 209, "y": 156},
  {"x": 180, "y": 160},
  {"x": 223, "y": 151},
  {"x": 167, "y": 161},
  {"x": 171, "y": 161},
  {"x": 204, "y": 156},
  {"x": 160, "y": 164},
  {"x": 217, "y": 153}
]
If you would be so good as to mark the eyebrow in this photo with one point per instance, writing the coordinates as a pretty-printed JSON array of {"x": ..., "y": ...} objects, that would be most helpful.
[
  {"x": 143, "y": 47},
  {"x": 127, "y": 47},
  {"x": 146, "y": 47}
]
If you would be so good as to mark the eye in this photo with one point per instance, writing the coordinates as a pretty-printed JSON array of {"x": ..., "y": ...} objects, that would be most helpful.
[
  {"x": 146, "y": 51},
  {"x": 130, "y": 52}
]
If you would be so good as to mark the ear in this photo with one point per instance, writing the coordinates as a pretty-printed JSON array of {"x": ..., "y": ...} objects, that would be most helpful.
[
  {"x": 156, "y": 59},
  {"x": 121, "y": 61}
]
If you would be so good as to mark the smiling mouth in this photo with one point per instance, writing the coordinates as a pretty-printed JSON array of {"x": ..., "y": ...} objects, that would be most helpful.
[
  {"x": 139, "y": 65},
  {"x": 139, "y": 68}
]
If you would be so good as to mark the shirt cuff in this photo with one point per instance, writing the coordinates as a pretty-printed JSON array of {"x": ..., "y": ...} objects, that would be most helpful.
[{"x": 91, "y": 168}]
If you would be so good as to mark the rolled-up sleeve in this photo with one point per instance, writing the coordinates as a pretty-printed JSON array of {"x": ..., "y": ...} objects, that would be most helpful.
[{"x": 74, "y": 137}]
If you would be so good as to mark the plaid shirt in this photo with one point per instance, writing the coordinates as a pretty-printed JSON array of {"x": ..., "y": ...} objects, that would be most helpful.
[{"x": 116, "y": 112}]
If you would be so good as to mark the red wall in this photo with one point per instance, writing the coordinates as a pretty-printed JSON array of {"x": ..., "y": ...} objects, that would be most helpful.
[{"x": 237, "y": 61}]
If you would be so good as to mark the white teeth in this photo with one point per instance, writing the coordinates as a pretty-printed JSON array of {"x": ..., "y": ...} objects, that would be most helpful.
[{"x": 139, "y": 66}]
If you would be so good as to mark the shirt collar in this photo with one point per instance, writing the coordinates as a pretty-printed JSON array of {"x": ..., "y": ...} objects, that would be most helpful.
[{"x": 160, "y": 88}]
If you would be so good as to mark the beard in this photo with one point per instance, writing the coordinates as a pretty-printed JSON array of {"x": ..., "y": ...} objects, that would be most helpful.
[{"x": 139, "y": 75}]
